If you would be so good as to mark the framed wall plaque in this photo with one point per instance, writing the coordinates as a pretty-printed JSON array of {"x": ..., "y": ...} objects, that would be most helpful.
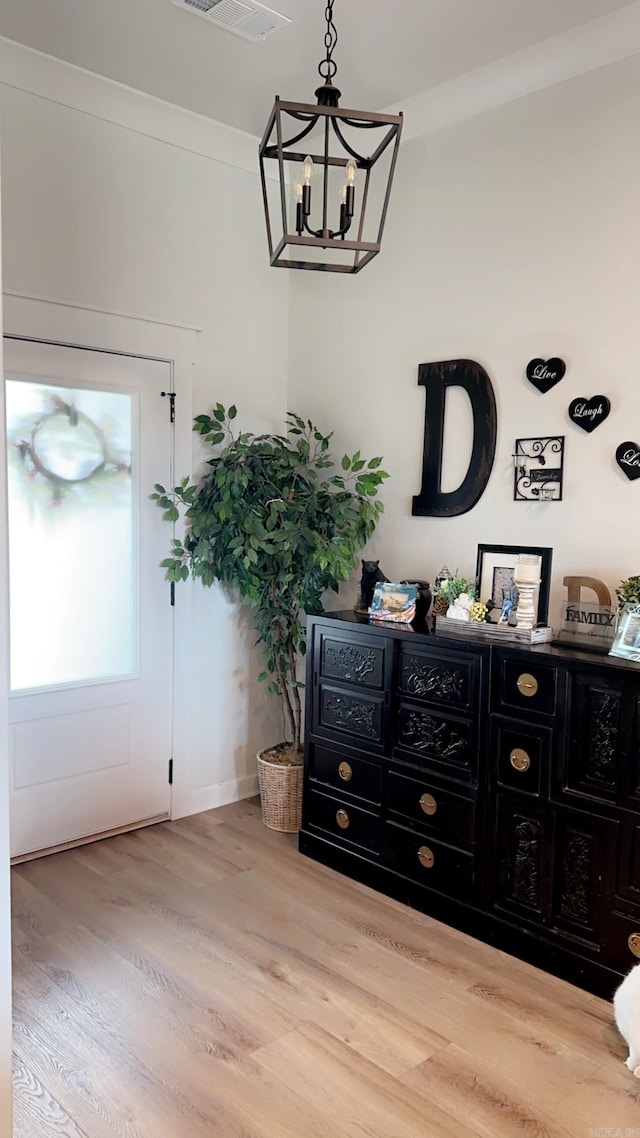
[{"x": 538, "y": 469}]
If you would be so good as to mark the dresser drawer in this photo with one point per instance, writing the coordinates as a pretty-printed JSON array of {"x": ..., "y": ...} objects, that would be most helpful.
[
  {"x": 526, "y": 685},
  {"x": 430, "y": 862},
  {"x": 350, "y": 715},
  {"x": 344, "y": 822},
  {"x": 345, "y": 773},
  {"x": 432, "y": 739},
  {"x": 521, "y": 754},
  {"x": 448, "y": 680},
  {"x": 354, "y": 660},
  {"x": 447, "y": 815}
]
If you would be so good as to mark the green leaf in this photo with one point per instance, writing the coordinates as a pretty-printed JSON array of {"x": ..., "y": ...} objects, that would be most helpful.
[
  {"x": 346, "y": 462},
  {"x": 233, "y": 411},
  {"x": 219, "y": 414}
]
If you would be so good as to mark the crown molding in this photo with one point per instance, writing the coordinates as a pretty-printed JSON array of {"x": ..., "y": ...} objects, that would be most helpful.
[
  {"x": 29, "y": 70},
  {"x": 581, "y": 49},
  {"x": 585, "y": 48}
]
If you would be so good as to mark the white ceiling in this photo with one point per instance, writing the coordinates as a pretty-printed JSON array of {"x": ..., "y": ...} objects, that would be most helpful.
[{"x": 388, "y": 50}]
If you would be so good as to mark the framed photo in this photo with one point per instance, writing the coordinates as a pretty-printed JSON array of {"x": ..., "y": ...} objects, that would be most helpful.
[
  {"x": 626, "y": 642},
  {"x": 494, "y": 576}
]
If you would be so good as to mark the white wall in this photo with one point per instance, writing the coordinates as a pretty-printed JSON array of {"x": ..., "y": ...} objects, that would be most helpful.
[
  {"x": 5, "y": 906},
  {"x": 513, "y": 235},
  {"x": 104, "y": 215}
]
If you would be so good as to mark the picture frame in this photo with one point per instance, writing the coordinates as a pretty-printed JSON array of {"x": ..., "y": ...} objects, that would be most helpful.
[
  {"x": 494, "y": 572},
  {"x": 626, "y": 642}
]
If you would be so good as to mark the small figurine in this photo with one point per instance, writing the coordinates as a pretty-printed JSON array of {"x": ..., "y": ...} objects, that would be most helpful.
[
  {"x": 371, "y": 575},
  {"x": 508, "y": 602}
]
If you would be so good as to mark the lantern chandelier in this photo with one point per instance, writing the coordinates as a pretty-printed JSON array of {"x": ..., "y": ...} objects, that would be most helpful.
[{"x": 326, "y": 210}]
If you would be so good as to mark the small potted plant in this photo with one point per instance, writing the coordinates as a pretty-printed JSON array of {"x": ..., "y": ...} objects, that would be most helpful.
[
  {"x": 459, "y": 595},
  {"x": 274, "y": 518},
  {"x": 628, "y": 592}
]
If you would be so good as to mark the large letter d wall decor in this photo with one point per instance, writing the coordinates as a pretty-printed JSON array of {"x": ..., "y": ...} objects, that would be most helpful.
[{"x": 471, "y": 377}]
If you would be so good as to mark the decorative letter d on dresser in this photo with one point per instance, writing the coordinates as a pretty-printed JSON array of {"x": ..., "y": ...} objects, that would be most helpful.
[{"x": 472, "y": 378}]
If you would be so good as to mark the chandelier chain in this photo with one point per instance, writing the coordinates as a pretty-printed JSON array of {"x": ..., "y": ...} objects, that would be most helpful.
[{"x": 327, "y": 67}]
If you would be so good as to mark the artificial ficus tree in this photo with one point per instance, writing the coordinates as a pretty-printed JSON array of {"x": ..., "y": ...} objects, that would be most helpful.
[{"x": 276, "y": 518}]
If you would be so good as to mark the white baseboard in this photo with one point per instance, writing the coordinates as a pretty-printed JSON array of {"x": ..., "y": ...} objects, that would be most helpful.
[{"x": 219, "y": 794}]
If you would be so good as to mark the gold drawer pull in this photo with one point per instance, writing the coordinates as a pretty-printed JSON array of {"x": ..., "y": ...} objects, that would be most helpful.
[
  {"x": 428, "y": 804},
  {"x": 425, "y": 857},
  {"x": 527, "y": 684},
  {"x": 634, "y": 943},
  {"x": 342, "y": 818},
  {"x": 519, "y": 759},
  {"x": 345, "y": 772}
]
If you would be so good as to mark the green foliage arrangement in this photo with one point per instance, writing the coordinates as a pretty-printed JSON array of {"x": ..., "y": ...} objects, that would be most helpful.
[
  {"x": 273, "y": 518},
  {"x": 452, "y": 588},
  {"x": 628, "y": 592}
]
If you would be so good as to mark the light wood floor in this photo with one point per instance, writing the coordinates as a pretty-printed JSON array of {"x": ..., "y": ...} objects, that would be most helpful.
[{"x": 201, "y": 978}]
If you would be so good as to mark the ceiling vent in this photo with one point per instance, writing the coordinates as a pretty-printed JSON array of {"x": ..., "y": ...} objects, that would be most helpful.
[{"x": 245, "y": 18}]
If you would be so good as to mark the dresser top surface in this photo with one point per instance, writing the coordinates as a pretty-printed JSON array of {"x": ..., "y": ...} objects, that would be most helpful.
[{"x": 420, "y": 633}]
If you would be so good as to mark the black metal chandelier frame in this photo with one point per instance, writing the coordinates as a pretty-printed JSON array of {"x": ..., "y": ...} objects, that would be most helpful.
[{"x": 328, "y": 118}]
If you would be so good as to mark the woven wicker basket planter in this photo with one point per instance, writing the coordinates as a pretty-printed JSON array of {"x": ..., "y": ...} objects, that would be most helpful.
[{"x": 280, "y": 795}]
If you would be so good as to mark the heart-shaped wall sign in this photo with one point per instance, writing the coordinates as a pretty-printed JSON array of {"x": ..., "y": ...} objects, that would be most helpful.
[
  {"x": 628, "y": 459},
  {"x": 544, "y": 374},
  {"x": 589, "y": 413}
]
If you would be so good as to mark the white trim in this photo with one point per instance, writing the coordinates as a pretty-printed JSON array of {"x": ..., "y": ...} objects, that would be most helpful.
[
  {"x": 104, "y": 311},
  {"x": 581, "y": 49},
  {"x": 27, "y": 317},
  {"x": 218, "y": 794},
  {"x": 39, "y": 74},
  {"x": 577, "y": 51}
]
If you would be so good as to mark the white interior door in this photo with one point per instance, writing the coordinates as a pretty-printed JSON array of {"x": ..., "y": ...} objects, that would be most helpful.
[{"x": 88, "y": 435}]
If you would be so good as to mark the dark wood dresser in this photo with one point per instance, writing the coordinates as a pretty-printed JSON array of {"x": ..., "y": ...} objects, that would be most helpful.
[{"x": 495, "y": 787}]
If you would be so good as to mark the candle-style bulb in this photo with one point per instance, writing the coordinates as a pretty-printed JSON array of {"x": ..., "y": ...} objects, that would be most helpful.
[
  {"x": 348, "y": 191},
  {"x": 297, "y": 189},
  {"x": 307, "y": 171}
]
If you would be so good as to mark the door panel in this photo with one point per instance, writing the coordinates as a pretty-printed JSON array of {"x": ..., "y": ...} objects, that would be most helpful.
[{"x": 88, "y": 435}]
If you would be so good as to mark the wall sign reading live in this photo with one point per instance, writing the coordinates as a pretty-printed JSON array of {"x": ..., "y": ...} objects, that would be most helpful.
[
  {"x": 628, "y": 459},
  {"x": 589, "y": 413},
  {"x": 544, "y": 374}
]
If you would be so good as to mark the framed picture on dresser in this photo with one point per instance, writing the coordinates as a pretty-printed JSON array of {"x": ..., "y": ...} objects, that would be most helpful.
[{"x": 495, "y": 565}]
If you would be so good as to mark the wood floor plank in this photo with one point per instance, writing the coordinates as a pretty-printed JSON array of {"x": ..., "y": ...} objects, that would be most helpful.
[
  {"x": 476, "y": 1091},
  {"x": 313, "y": 1060},
  {"x": 202, "y": 979}
]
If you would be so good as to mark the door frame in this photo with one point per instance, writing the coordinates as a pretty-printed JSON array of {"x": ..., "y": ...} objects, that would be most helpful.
[{"x": 76, "y": 326}]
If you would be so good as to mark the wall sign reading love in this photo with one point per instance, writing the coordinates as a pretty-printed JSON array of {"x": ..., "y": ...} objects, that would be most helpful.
[{"x": 628, "y": 459}]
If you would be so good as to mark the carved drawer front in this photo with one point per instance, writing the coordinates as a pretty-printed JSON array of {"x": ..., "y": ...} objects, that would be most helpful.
[
  {"x": 430, "y": 738},
  {"x": 585, "y": 853},
  {"x": 521, "y": 754},
  {"x": 344, "y": 822},
  {"x": 429, "y": 861},
  {"x": 345, "y": 773},
  {"x": 354, "y": 661},
  {"x": 350, "y": 713},
  {"x": 447, "y": 815},
  {"x": 600, "y": 726},
  {"x": 523, "y": 859},
  {"x": 525, "y": 684},
  {"x": 450, "y": 680},
  {"x": 621, "y": 949},
  {"x": 628, "y": 884}
]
